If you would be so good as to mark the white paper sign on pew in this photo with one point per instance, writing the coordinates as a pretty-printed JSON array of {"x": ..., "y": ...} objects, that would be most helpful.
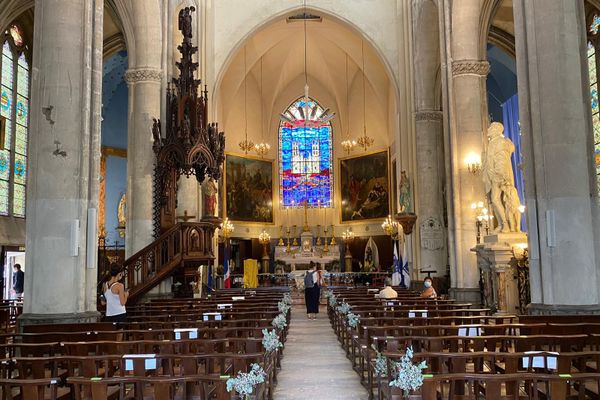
[
  {"x": 224, "y": 306},
  {"x": 192, "y": 333},
  {"x": 216, "y": 316},
  {"x": 538, "y": 361},
  {"x": 372, "y": 291},
  {"x": 238, "y": 298},
  {"x": 149, "y": 361},
  {"x": 469, "y": 330},
  {"x": 415, "y": 313}
]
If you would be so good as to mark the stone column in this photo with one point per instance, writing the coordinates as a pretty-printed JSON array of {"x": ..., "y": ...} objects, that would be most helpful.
[
  {"x": 62, "y": 191},
  {"x": 557, "y": 145},
  {"x": 144, "y": 80},
  {"x": 464, "y": 93},
  {"x": 428, "y": 121}
]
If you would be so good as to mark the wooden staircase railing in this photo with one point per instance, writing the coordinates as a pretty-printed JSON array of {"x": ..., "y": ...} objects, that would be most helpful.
[{"x": 184, "y": 242}]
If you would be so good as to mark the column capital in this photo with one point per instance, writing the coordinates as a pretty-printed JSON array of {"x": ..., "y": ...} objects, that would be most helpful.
[
  {"x": 143, "y": 75},
  {"x": 470, "y": 67},
  {"x": 428, "y": 115}
]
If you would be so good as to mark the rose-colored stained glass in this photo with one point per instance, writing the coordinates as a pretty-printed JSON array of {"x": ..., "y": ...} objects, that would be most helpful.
[{"x": 17, "y": 35}]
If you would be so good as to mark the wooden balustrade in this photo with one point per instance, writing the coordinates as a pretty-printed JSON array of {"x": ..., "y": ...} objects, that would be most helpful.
[{"x": 186, "y": 242}]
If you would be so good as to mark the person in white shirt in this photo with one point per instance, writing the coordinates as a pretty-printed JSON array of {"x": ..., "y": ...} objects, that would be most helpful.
[
  {"x": 387, "y": 292},
  {"x": 115, "y": 296}
]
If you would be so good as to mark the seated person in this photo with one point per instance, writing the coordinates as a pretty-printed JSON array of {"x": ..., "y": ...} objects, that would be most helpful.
[
  {"x": 429, "y": 292},
  {"x": 387, "y": 292}
]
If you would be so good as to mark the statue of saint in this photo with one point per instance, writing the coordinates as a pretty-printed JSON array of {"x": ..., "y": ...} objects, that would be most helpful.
[
  {"x": 121, "y": 209},
  {"x": 498, "y": 177},
  {"x": 209, "y": 197},
  {"x": 405, "y": 195}
]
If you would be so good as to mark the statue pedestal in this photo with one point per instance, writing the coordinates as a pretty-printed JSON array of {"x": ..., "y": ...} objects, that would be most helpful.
[
  {"x": 265, "y": 264},
  {"x": 496, "y": 262}
]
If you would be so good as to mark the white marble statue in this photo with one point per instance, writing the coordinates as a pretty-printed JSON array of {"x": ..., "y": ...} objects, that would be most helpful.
[{"x": 499, "y": 179}]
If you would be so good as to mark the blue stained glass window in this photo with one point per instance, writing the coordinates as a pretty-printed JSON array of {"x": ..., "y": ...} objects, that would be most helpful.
[
  {"x": 305, "y": 155},
  {"x": 595, "y": 25},
  {"x": 14, "y": 108}
]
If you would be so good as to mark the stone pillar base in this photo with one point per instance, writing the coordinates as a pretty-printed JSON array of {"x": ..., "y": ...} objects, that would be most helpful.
[
  {"x": 562, "y": 309},
  {"x": 471, "y": 295},
  {"x": 67, "y": 318}
]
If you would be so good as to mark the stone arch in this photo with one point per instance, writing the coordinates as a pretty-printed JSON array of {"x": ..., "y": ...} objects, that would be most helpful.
[
  {"x": 122, "y": 18},
  {"x": 12, "y": 10},
  {"x": 312, "y": 9},
  {"x": 488, "y": 11}
]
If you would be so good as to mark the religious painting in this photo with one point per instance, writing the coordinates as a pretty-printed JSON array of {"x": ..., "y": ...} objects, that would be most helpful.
[
  {"x": 394, "y": 188},
  {"x": 364, "y": 183},
  {"x": 248, "y": 189}
]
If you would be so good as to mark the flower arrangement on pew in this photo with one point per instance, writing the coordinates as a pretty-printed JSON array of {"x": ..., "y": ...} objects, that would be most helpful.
[
  {"x": 271, "y": 340},
  {"x": 279, "y": 321},
  {"x": 331, "y": 298},
  {"x": 287, "y": 299},
  {"x": 245, "y": 382},
  {"x": 283, "y": 307},
  {"x": 380, "y": 366},
  {"x": 353, "y": 319},
  {"x": 407, "y": 375},
  {"x": 344, "y": 308}
]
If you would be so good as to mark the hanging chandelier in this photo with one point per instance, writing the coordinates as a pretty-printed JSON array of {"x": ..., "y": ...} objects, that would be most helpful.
[
  {"x": 347, "y": 144},
  {"x": 263, "y": 147},
  {"x": 364, "y": 141},
  {"x": 246, "y": 145},
  {"x": 309, "y": 116}
]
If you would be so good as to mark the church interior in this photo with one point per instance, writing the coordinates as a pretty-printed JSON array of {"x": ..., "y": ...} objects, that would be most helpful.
[{"x": 292, "y": 199}]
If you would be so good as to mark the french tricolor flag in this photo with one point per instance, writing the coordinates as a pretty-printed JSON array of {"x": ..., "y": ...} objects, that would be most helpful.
[{"x": 227, "y": 279}]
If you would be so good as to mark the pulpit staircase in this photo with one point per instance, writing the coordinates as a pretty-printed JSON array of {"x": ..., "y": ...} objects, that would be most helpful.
[
  {"x": 185, "y": 244},
  {"x": 185, "y": 144}
]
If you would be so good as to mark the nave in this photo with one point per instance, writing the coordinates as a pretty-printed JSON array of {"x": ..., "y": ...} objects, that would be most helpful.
[{"x": 315, "y": 366}]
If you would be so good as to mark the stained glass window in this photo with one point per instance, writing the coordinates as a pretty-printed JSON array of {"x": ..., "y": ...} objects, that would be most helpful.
[
  {"x": 14, "y": 109},
  {"x": 17, "y": 35},
  {"x": 305, "y": 156}
]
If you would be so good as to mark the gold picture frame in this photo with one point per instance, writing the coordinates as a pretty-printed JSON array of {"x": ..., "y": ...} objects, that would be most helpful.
[
  {"x": 248, "y": 201},
  {"x": 364, "y": 191}
]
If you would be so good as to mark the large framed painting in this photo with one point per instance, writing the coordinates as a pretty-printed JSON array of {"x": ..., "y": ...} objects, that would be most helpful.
[
  {"x": 364, "y": 183},
  {"x": 248, "y": 189}
]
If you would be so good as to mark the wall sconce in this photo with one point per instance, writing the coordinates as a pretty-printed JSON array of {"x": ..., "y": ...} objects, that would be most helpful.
[
  {"x": 473, "y": 162},
  {"x": 520, "y": 250}
]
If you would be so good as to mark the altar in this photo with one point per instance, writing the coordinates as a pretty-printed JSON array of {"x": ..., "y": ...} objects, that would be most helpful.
[{"x": 299, "y": 255}]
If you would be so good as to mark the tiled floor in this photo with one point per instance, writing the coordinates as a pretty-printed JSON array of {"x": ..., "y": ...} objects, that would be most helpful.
[{"x": 314, "y": 366}]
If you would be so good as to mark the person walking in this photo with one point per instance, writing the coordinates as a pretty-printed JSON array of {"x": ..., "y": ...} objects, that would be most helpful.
[
  {"x": 18, "y": 281},
  {"x": 313, "y": 281}
]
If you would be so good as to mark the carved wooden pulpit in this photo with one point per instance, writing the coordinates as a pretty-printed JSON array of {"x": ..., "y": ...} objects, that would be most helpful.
[{"x": 186, "y": 144}]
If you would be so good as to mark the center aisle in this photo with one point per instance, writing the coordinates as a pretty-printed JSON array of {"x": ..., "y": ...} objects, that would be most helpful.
[{"x": 314, "y": 366}]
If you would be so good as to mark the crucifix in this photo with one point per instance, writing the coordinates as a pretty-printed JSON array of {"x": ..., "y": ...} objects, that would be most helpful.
[
  {"x": 305, "y": 228},
  {"x": 185, "y": 217}
]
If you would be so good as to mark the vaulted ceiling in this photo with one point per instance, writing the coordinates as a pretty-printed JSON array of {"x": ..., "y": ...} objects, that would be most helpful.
[{"x": 280, "y": 47}]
